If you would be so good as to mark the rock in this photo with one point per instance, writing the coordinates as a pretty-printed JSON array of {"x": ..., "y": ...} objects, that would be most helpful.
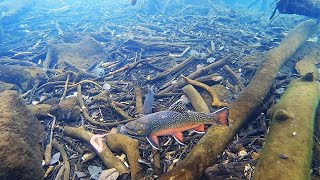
[
  {"x": 20, "y": 134},
  {"x": 80, "y": 54}
]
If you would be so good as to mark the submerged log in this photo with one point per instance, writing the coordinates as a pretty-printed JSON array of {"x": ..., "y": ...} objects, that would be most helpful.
[
  {"x": 20, "y": 134},
  {"x": 310, "y": 8},
  {"x": 217, "y": 138},
  {"x": 289, "y": 143},
  {"x": 295, "y": 113}
]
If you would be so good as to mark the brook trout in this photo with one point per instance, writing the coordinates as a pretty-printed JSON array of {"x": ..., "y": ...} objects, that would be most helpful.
[{"x": 173, "y": 122}]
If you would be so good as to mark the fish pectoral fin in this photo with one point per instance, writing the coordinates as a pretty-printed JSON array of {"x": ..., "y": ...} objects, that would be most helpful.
[
  {"x": 179, "y": 138},
  {"x": 199, "y": 129},
  {"x": 154, "y": 141},
  {"x": 222, "y": 116}
]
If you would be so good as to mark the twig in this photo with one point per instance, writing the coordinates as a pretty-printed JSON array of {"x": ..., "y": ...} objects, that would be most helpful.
[
  {"x": 65, "y": 89},
  {"x": 64, "y": 156},
  {"x": 215, "y": 100},
  {"x": 234, "y": 76}
]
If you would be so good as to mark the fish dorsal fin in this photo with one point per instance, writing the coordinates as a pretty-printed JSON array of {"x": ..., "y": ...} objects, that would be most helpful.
[{"x": 179, "y": 106}]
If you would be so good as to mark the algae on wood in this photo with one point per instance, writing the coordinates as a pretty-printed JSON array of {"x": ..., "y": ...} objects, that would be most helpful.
[
  {"x": 217, "y": 138},
  {"x": 289, "y": 142},
  {"x": 287, "y": 153}
]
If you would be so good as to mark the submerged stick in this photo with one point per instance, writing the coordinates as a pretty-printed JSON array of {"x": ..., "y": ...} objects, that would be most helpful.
[
  {"x": 173, "y": 70},
  {"x": 195, "y": 98},
  {"x": 197, "y": 74},
  {"x": 119, "y": 142},
  {"x": 215, "y": 99},
  {"x": 106, "y": 156},
  {"x": 217, "y": 138},
  {"x": 64, "y": 156}
]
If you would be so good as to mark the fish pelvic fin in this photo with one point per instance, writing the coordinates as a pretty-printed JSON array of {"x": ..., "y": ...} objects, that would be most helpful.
[
  {"x": 222, "y": 116},
  {"x": 199, "y": 129},
  {"x": 154, "y": 141},
  {"x": 179, "y": 138}
]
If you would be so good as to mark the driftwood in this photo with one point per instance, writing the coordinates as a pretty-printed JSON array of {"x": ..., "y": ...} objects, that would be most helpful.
[
  {"x": 22, "y": 76},
  {"x": 106, "y": 156},
  {"x": 217, "y": 138},
  {"x": 295, "y": 113},
  {"x": 80, "y": 54},
  {"x": 196, "y": 74},
  {"x": 66, "y": 164},
  {"x": 121, "y": 143},
  {"x": 215, "y": 99},
  {"x": 292, "y": 126},
  {"x": 195, "y": 98}
]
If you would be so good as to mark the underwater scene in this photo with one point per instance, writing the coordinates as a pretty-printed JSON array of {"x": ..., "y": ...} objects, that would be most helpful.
[{"x": 159, "y": 89}]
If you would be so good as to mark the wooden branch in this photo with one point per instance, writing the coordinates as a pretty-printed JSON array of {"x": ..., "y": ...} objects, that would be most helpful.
[
  {"x": 215, "y": 99},
  {"x": 64, "y": 156},
  {"x": 106, "y": 156},
  {"x": 197, "y": 74},
  {"x": 173, "y": 70},
  {"x": 118, "y": 142},
  {"x": 195, "y": 98}
]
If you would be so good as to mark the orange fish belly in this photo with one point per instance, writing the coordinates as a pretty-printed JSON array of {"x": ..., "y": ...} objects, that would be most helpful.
[{"x": 172, "y": 131}]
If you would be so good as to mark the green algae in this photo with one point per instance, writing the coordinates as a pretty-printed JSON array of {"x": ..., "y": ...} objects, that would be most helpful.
[{"x": 288, "y": 151}]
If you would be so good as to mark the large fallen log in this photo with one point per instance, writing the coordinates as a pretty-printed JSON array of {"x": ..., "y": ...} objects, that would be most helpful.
[
  {"x": 20, "y": 135},
  {"x": 290, "y": 151},
  {"x": 290, "y": 140},
  {"x": 217, "y": 138}
]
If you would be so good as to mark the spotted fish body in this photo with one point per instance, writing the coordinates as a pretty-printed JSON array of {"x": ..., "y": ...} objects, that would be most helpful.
[{"x": 173, "y": 122}]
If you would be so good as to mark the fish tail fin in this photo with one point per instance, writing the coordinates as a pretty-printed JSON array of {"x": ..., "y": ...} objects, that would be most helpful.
[{"x": 222, "y": 116}]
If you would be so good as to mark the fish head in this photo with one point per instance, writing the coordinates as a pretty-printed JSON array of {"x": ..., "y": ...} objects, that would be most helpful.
[{"x": 135, "y": 128}]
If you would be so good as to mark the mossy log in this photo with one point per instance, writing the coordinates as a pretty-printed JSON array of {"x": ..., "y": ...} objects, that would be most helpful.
[
  {"x": 217, "y": 138},
  {"x": 287, "y": 153},
  {"x": 295, "y": 113}
]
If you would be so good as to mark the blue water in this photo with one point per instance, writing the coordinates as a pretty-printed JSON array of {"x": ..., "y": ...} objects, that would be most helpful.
[{"x": 29, "y": 25}]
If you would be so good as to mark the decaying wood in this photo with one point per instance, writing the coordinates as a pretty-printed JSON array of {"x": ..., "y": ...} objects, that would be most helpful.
[
  {"x": 195, "y": 98},
  {"x": 106, "y": 156},
  {"x": 217, "y": 138},
  {"x": 121, "y": 143},
  {"x": 295, "y": 112},
  {"x": 215, "y": 99},
  {"x": 197, "y": 74},
  {"x": 235, "y": 77},
  {"x": 20, "y": 134},
  {"x": 173, "y": 70},
  {"x": 66, "y": 163},
  {"x": 138, "y": 97}
]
